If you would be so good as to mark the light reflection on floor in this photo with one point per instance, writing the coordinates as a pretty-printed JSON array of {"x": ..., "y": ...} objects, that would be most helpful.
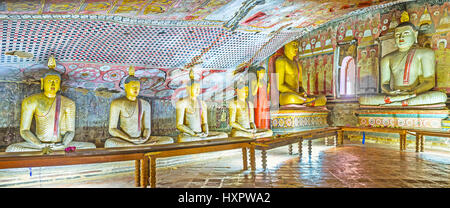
[{"x": 352, "y": 165}]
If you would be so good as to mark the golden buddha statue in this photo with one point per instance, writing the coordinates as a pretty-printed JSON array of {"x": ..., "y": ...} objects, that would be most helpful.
[
  {"x": 242, "y": 116},
  {"x": 290, "y": 78},
  {"x": 129, "y": 118},
  {"x": 54, "y": 116},
  {"x": 407, "y": 74},
  {"x": 191, "y": 116}
]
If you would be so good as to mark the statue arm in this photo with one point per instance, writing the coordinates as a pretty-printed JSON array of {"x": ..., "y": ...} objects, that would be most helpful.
[
  {"x": 252, "y": 115},
  {"x": 282, "y": 87},
  {"x": 114, "y": 114},
  {"x": 70, "y": 111},
  {"x": 233, "y": 123},
  {"x": 180, "y": 108},
  {"x": 204, "y": 118},
  {"x": 385, "y": 76},
  {"x": 28, "y": 110},
  {"x": 427, "y": 80},
  {"x": 147, "y": 120}
]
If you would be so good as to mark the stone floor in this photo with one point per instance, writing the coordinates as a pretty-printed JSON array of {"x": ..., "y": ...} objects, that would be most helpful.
[{"x": 350, "y": 166}]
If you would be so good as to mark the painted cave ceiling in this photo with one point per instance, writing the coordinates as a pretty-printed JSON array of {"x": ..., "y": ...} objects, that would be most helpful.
[{"x": 94, "y": 41}]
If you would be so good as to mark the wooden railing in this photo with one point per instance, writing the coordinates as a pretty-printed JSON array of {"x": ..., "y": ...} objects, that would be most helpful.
[{"x": 145, "y": 156}]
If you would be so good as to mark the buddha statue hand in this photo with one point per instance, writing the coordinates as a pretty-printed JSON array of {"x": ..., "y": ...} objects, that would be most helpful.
[
  {"x": 201, "y": 134},
  {"x": 309, "y": 99},
  {"x": 56, "y": 145},
  {"x": 138, "y": 140}
]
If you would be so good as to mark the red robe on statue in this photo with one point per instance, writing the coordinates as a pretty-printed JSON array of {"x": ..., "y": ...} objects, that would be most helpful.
[{"x": 262, "y": 108}]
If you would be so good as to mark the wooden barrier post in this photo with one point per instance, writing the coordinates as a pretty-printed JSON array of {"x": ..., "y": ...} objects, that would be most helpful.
[
  {"x": 137, "y": 169},
  {"x": 300, "y": 147},
  {"x": 152, "y": 171},
  {"x": 309, "y": 147},
  {"x": 417, "y": 142},
  {"x": 144, "y": 171},
  {"x": 252, "y": 157},
  {"x": 421, "y": 142},
  {"x": 403, "y": 140},
  {"x": 244, "y": 158},
  {"x": 340, "y": 135}
]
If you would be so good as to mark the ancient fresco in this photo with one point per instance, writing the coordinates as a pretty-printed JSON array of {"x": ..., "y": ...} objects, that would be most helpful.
[
  {"x": 373, "y": 35},
  {"x": 368, "y": 69}
]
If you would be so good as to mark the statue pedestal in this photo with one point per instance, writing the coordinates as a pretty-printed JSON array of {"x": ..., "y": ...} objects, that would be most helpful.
[
  {"x": 402, "y": 118},
  {"x": 417, "y": 118},
  {"x": 446, "y": 125},
  {"x": 288, "y": 119}
]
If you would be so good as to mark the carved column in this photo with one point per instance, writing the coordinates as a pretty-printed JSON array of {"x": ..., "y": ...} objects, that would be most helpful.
[{"x": 264, "y": 159}]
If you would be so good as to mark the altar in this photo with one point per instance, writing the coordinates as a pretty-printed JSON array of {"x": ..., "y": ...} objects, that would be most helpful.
[{"x": 286, "y": 120}]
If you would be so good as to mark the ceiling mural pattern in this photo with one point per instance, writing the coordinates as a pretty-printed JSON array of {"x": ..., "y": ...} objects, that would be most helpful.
[{"x": 94, "y": 41}]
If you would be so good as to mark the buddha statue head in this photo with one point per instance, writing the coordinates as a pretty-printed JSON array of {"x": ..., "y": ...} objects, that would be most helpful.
[
  {"x": 241, "y": 91},
  {"x": 132, "y": 85},
  {"x": 291, "y": 49},
  {"x": 51, "y": 80},
  {"x": 405, "y": 34},
  {"x": 257, "y": 75},
  {"x": 193, "y": 86}
]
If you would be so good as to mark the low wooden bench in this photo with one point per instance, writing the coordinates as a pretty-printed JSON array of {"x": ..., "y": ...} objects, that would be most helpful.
[
  {"x": 196, "y": 147},
  {"x": 82, "y": 156},
  {"x": 420, "y": 136},
  {"x": 141, "y": 155},
  {"x": 268, "y": 143},
  {"x": 401, "y": 132}
]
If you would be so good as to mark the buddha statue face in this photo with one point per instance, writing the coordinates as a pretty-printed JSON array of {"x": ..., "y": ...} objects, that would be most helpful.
[
  {"x": 291, "y": 49},
  {"x": 261, "y": 74},
  {"x": 405, "y": 37},
  {"x": 242, "y": 93},
  {"x": 51, "y": 84},
  {"x": 132, "y": 88},
  {"x": 193, "y": 90},
  {"x": 441, "y": 45}
]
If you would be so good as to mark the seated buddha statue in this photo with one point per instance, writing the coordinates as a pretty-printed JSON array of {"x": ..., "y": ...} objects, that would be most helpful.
[
  {"x": 54, "y": 117},
  {"x": 407, "y": 74},
  {"x": 191, "y": 116},
  {"x": 289, "y": 80},
  {"x": 129, "y": 118},
  {"x": 242, "y": 116}
]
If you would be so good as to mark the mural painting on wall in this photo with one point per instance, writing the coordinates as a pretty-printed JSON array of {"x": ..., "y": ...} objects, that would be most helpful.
[
  {"x": 317, "y": 73},
  {"x": 433, "y": 23},
  {"x": 368, "y": 69},
  {"x": 316, "y": 59}
]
